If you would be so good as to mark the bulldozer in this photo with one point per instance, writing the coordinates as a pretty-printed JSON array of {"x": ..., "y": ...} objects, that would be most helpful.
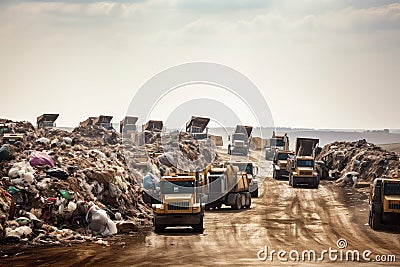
[
  {"x": 180, "y": 203},
  {"x": 301, "y": 167},
  {"x": 384, "y": 202}
]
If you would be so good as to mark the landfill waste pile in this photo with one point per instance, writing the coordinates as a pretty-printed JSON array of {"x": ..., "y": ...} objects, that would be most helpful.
[
  {"x": 352, "y": 161},
  {"x": 59, "y": 187}
]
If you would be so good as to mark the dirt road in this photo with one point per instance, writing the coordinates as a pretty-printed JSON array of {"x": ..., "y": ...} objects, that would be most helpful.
[{"x": 282, "y": 218}]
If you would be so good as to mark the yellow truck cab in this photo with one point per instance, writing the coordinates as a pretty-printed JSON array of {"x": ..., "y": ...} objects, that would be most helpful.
[
  {"x": 279, "y": 164},
  {"x": 179, "y": 205},
  {"x": 301, "y": 167},
  {"x": 384, "y": 202}
]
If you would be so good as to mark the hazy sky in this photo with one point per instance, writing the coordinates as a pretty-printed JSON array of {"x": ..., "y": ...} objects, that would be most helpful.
[{"x": 319, "y": 64}]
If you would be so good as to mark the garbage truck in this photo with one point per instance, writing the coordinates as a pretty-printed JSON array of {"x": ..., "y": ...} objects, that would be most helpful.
[
  {"x": 46, "y": 121},
  {"x": 180, "y": 205},
  {"x": 276, "y": 143},
  {"x": 279, "y": 164},
  {"x": 252, "y": 171},
  {"x": 384, "y": 202},
  {"x": 301, "y": 166},
  {"x": 196, "y": 127},
  {"x": 240, "y": 140},
  {"x": 229, "y": 186}
]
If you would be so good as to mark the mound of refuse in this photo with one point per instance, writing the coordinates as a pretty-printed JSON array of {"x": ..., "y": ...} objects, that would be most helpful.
[
  {"x": 63, "y": 186},
  {"x": 366, "y": 160}
]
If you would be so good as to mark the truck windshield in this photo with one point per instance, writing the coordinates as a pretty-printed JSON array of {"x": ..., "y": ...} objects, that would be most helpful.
[
  {"x": 277, "y": 142},
  {"x": 49, "y": 124},
  {"x": 283, "y": 156},
  {"x": 305, "y": 163},
  {"x": 176, "y": 187},
  {"x": 391, "y": 189}
]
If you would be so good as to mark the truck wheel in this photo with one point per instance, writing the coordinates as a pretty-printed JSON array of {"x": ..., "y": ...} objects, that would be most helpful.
[
  {"x": 199, "y": 228},
  {"x": 243, "y": 198},
  {"x": 207, "y": 207},
  {"x": 376, "y": 221},
  {"x": 238, "y": 202},
  {"x": 248, "y": 200},
  {"x": 158, "y": 228},
  {"x": 254, "y": 193}
]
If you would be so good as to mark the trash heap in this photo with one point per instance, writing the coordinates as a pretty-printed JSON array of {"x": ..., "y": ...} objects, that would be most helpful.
[
  {"x": 180, "y": 151},
  {"x": 60, "y": 186},
  {"x": 362, "y": 159}
]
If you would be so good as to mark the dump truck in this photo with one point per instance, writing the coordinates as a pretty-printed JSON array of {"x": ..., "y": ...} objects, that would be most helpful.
[
  {"x": 196, "y": 127},
  {"x": 102, "y": 121},
  {"x": 12, "y": 139},
  {"x": 152, "y": 125},
  {"x": 180, "y": 205},
  {"x": 227, "y": 186},
  {"x": 46, "y": 121},
  {"x": 384, "y": 202},
  {"x": 127, "y": 126},
  {"x": 240, "y": 140},
  {"x": 89, "y": 121},
  {"x": 276, "y": 143},
  {"x": 279, "y": 164},
  {"x": 252, "y": 171},
  {"x": 301, "y": 167}
]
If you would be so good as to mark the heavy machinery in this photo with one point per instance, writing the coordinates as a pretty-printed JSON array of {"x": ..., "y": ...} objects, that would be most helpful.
[
  {"x": 12, "y": 139},
  {"x": 279, "y": 164},
  {"x": 127, "y": 126},
  {"x": 150, "y": 130},
  {"x": 276, "y": 143},
  {"x": 46, "y": 121},
  {"x": 252, "y": 172},
  {"x": 240, "y": 140},
  {"x": 4, "y": 128},
  {"x": 154, "y": 126},
  {"x": 384, "y": 202},
  {"x": 196, "y": 127},
  {"x": 103, "y": 121},
  {"x": 180, "y": 205},
  {"x": 301, "y": 167},
  {"x": 229, "y": 186}
]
